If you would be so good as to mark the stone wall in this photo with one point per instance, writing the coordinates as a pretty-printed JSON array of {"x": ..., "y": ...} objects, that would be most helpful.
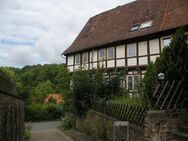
[
  {"x": 11, "y": 112},
  {"x": 99, "y": 125},
  {"x": 160, "y": 125}
]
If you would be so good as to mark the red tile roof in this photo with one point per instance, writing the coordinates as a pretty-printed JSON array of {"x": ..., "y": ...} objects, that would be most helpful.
[{"x": 114, "y": 25}]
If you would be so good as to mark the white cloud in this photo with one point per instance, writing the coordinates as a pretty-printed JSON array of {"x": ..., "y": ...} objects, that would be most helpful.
[{"x": 37, "y": 32}]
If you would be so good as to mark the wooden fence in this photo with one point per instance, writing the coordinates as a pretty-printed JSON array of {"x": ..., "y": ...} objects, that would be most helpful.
[
  {"x": 169, "y": 95},
  {"x": 135, "y": 114}
]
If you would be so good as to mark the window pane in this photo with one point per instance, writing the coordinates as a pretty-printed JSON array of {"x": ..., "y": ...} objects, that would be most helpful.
[
  {"x": 136, "y": 82},
  {"x": 102, "y": 54},
  {"x": 130, "y": 82},
  {"x": 166, "y": 42},
  {"x": 131, "y": 50},
  {"x": 110, "y": 53},
  {"x": 85, "y": 58},
  {"x": 146, "y": 24},
  {"x": 135, "y": 27},
  {"x": 77, "y": 59}
]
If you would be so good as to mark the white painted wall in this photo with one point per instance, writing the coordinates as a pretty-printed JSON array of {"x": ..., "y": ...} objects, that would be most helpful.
[
  {"x": 154, "y": 46},
  {"x": 142, "y": 48},
  {"x": 70, "y": 69},
  {"x": 70, "y": 60},
  {"x": 93, "y": 55},
  {"x": 120, "y": 51},
  {"x": 110, "y": 63},
  {"x": 132, "y": 62},
  {"x": 120, "y": 63},
  {"x": 77, "y": 67},
  {"x": 153, "y": 58},
  {"x": 102, "y": 64},
  {"x": 93, "y": 65},
  {"x": 85, "y": 66},
  {"x": 143, "y": 60}
]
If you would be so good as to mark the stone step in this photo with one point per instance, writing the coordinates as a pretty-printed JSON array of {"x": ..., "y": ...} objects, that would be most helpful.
[{"x": 181, "y": 136}]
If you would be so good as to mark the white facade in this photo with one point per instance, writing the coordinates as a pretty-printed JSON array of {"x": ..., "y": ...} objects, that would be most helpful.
[
  {"x": 136, "y": 54},
  {"x": 132, "y": 55}
]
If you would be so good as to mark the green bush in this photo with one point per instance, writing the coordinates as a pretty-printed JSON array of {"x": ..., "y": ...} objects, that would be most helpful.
[
  {"x": 172, "y": 62},
  {"x": 68, "y": 122},
  {"x": 27, "y": 134},
  {"x": 42, "y": 112}
]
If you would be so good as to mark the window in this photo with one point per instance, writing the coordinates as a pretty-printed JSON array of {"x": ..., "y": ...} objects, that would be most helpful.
[
  {"x": 133, "y": 82},
  {"x": 110, "y": 53},
  {"x": 85, "y": 58},
  {"x": 102, "y": 54},
  {"x": 130, "y": 82},
  {"x": 77, "y": 59},
  {"x": 131, "y": 50},
  {"x": 146, "y": 24},
  {"x": 166, "y": 41},
  {"x": 135, "y": 27}
]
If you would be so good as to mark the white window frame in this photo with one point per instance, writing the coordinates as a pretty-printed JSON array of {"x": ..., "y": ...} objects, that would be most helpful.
[
  {"x": 77, "y": 60},
  {"x": 83, "y": 57},
  {"x": 166, "y": 38},
  {"x": 146, "y": 24},
  {"x": 104, "y": 56},
  {"x": 110, "y": 56},
  {"x": 130, "y": 46},
  {"x": 135, "y": 27},
  {"x": 133, "y": 82}
]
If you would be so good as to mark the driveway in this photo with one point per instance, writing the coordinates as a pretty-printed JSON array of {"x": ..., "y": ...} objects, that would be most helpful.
[{"x": 47, "y": 131}]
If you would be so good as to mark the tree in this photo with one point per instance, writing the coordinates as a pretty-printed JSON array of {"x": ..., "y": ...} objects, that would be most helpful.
[
  {"x": 173, "y": 62},
  {"x": 42, "y": 90}
]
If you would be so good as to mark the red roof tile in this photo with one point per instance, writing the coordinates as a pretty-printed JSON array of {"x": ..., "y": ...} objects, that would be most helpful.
[{"x": 114, "y": 25}]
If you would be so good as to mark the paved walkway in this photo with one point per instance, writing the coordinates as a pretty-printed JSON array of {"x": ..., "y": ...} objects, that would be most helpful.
[{"x": 47, "y": 131}]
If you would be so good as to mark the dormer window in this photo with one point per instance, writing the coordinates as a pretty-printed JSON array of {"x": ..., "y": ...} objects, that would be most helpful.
[
  {"x": 146, "y": 24},
  {"x": 135, "y": 27}
]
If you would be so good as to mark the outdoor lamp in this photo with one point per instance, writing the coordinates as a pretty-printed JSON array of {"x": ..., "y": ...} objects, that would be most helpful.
[{"x": 161, "y": 76}]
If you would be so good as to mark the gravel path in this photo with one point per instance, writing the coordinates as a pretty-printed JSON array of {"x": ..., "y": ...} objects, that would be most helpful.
[{"x": 47, "y": 131}]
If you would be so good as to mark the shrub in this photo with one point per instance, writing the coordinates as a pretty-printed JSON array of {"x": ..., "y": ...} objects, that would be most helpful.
[
  {"x": 27, "y": 134},
  {"x": 172, "y": 62},
  {"x": 68, "y": 122},
  {"x": 42, "y": 112}
]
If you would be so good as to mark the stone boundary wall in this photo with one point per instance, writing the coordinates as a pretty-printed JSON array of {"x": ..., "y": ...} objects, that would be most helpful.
[
  {"x": 160, "y": 125},
  {"x": 101, "y": 125},
  {"x": 11, "y": 111}
]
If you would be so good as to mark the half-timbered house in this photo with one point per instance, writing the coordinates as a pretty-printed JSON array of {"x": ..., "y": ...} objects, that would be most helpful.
[{"x": 127, "y": 37}]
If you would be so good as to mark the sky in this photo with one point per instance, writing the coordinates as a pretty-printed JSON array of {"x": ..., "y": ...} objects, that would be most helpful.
[{"x": 38, "y": 31}]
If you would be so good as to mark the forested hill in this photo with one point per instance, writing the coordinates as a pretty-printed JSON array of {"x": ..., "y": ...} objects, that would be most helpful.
[{"x": 35, "y": 82}]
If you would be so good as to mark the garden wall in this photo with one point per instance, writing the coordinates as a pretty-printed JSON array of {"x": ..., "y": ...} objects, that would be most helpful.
[
  {"x": 100, "y": 126},
  {"x": 160, "y": 125},
  {"x": 11, "y": 112}
]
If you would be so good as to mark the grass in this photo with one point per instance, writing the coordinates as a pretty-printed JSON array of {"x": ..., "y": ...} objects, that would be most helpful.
[{"x": 128, "y": 100}]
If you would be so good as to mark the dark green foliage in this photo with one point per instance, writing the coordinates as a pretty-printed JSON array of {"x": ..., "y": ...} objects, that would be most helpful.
[
  {"x": 41, "y": 112},
  {"x": 81, "y": 92},
  {"x": 173, "y": 62},
  {"x": 89, "y": 87},
  {"x": 35, "y": 82}
]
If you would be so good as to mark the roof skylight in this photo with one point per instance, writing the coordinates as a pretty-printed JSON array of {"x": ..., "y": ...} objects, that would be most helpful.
[
  {"x": 135, "y": 27},
  {"x": 146, "y": 24}
]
